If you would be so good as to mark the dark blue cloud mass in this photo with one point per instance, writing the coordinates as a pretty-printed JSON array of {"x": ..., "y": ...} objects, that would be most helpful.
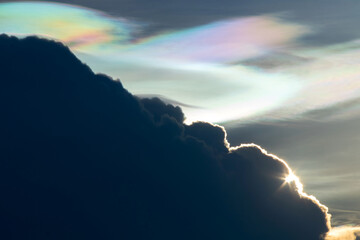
[{"x": 82, "y": 158}]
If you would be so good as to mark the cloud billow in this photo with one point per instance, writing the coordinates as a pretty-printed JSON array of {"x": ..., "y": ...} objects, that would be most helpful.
[{"x": 82, "y": 158}]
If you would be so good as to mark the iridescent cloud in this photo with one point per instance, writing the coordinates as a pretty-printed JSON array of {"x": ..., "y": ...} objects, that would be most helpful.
[
  {"x": 189, "y": 66},
  {"x": 80, "y": 28},
  {"x": 222, "y": 42},
  {"x": 247, "y": 69},
  {"x": 331, "y": 81}
]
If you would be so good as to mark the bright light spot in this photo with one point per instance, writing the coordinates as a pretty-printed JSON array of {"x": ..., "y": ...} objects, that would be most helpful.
[
  {"x": 343, "y": 233},
  {"x": 290, "y": 178}
]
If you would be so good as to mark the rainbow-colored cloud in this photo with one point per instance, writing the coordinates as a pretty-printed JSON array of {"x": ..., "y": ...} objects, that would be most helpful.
[
  {"x": 92, "y": 31},
  {"x": 80, "y": 28},
  {"x": 203, "y": 66}
]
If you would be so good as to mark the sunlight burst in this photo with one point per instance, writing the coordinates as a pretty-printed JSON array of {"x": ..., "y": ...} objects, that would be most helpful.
[{"x": 290, "y": 178}]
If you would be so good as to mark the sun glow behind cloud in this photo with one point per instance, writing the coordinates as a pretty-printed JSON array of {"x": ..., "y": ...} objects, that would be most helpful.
[
  {"x": 203, "y": 66},
  {"x": 344, "y": 233},
  {"x": 290, "y": 178}
]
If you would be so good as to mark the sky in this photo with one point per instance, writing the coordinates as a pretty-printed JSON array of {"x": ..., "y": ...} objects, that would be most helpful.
[{"x": 282, "y": 74}]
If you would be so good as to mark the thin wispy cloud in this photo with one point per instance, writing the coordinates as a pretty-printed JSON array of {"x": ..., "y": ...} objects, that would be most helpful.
[
  {"x": 221, "y": 42},
  {"x": 226, "y": 69},
  {"x": 189, "y": 66}
]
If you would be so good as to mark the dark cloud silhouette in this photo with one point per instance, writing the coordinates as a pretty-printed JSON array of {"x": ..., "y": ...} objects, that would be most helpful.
[
  {"x": 82, "y": 158},
  {"x": 166, "y": 100}
]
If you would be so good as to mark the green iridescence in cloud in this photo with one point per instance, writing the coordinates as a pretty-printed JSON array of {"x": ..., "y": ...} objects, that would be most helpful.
[{"x": 203, "y": 66}]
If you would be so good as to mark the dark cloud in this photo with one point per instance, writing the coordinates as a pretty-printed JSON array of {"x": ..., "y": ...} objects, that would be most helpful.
[
  {"x": 324, "y": 154},
  {"x": 166, "y": 100},
  {"x": 275, "y": 60},
  {"x": 82, "y": 158}
]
